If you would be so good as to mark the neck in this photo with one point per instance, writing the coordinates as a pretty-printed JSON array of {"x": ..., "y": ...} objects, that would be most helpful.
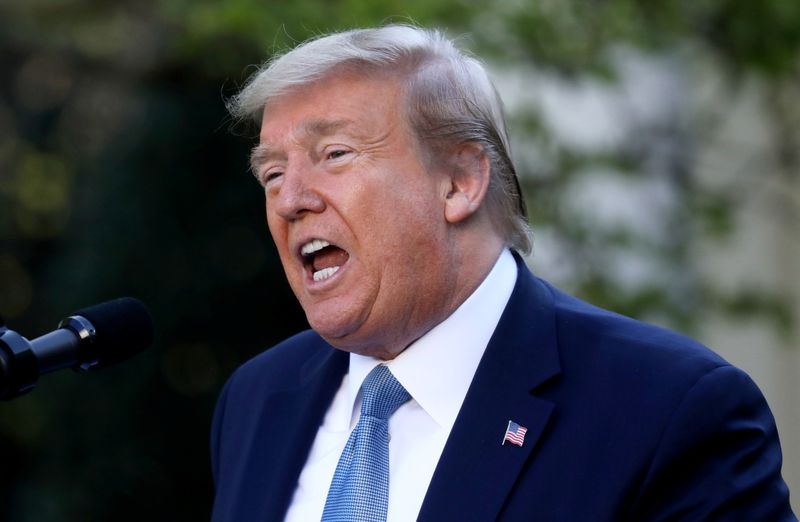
[{"x": 471, "y": 266}]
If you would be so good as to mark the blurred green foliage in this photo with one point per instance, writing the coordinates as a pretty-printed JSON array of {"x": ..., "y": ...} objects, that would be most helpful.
[{"x": 119, "y": 176}]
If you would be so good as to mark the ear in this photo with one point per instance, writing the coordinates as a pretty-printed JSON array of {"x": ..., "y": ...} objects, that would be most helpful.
[{"x": 468, "y": 182}]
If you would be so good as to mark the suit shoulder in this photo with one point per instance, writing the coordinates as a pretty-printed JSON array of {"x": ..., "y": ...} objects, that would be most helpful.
[
  {"x": 283, "y": 365},
  {"x": 598, "y": 336}
]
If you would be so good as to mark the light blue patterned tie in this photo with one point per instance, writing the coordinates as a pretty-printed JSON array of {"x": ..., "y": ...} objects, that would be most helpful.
[{"x": 360, "y": 487}]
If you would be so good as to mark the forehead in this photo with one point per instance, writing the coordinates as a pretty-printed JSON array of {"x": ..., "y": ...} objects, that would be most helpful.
[{"x": 335, "y": 103}]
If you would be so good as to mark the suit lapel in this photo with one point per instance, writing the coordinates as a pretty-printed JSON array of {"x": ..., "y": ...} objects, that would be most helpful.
[
  {"x": 292, "y": 418},
  {"x": 476, "y": 472}
]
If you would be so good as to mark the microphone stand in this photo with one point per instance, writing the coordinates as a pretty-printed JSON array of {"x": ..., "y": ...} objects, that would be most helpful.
[{"x": 19, "y": 368}]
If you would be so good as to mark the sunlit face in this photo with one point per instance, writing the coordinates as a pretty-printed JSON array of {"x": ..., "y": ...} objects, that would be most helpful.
[{"x": 357, "y": 217}]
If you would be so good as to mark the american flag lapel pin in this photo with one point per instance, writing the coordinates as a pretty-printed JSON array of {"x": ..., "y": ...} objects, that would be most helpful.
[{"x": 515, "y": 434}]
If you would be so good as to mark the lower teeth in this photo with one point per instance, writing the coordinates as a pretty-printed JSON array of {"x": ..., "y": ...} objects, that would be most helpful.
[{"x": 325, "y": 273}]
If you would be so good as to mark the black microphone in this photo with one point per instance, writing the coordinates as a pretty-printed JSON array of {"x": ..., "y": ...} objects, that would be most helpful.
[{"x": 90, "y": 339}]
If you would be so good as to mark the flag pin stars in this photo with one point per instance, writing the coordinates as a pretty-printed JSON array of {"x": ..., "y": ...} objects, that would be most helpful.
[{"x": 515, "y": 434}]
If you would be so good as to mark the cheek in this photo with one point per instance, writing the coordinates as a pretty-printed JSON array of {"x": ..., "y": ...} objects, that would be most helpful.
[
  {"x": 406, "y": 240},
  {"x": 278, "y": 230},
  {"x": 273, "y": 225}
]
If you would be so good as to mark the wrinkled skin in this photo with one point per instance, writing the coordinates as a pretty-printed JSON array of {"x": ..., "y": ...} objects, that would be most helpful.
[{"x": 339, "y": 163}]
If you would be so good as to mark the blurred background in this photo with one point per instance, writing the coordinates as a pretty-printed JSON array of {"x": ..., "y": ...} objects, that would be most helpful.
[{"x": 658, "y": 143}]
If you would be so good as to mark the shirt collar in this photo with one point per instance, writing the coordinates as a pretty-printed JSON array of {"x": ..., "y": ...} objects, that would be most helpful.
[{"x": 437, "y": 368}]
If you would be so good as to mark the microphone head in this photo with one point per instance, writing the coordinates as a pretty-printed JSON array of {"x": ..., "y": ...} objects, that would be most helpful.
[{"x": 122, "y": 328}]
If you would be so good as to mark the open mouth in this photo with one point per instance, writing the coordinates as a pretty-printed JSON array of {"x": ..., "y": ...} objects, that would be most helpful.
[{"x": 322, "y": 259}]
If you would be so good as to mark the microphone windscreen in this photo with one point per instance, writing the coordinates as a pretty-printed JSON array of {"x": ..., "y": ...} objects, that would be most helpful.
[{"x": 123, "y": 328}]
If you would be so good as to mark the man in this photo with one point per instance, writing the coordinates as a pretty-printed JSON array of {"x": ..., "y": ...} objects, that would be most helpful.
[{"x": 399, "y": 222}]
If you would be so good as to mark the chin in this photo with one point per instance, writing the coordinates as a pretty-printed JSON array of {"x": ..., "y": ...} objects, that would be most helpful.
[
  {"x": 345, "y": 337},
  {"x": 339, "y": 321},
  {"x": 334, "y": 331}
]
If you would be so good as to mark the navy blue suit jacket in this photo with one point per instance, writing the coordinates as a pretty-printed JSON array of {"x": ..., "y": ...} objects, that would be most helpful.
[{"x": 626, "y": 422}]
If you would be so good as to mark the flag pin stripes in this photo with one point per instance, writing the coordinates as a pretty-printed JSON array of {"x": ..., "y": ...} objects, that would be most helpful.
[{"x": 515, "y": 434}]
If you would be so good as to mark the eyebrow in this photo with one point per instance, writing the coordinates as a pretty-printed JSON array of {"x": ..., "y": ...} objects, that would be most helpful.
[
  {"x": 315, "y": 127},
  {"x": 259, "y": 155},
  {"x": 322, "y": 127}
]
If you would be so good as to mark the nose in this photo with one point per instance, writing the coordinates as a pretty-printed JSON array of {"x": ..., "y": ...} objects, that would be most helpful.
[{"x": 296, "y": 195}]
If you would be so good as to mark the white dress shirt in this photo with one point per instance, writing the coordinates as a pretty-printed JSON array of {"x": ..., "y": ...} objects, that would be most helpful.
[{"x": 436, "y": 370}]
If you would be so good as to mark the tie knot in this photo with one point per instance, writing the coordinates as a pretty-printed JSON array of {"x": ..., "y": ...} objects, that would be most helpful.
[{"x": 382, "y": 393}]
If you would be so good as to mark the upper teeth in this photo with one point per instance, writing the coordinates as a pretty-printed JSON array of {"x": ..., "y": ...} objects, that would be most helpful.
[{"x": 314, "y": 246}]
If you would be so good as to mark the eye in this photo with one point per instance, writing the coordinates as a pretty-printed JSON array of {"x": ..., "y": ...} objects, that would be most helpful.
[
  {"x": 334, "y": 154},
  {"x": 268, "y": 176}
]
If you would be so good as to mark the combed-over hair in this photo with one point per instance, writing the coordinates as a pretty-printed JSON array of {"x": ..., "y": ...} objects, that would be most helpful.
[{"x": 449, "y": 100}]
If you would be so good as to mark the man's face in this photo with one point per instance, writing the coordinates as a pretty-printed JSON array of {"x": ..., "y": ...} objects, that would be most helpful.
[{"x": 357, "y": 217}]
